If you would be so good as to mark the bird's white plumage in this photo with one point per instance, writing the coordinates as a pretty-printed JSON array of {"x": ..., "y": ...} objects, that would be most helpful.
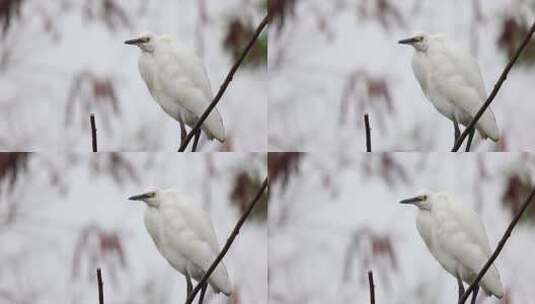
[
  {"x": 451, "y": 80},
  {"x": 177, "y": 80},
  {"x": 456, "y": 238},
  {"x": 185, "y": 237}
]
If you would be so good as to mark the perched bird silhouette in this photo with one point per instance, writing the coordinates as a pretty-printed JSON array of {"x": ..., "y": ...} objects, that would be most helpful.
[
  {"x": 451, "y": 80},
  {"x": 185, "y": 237},
  {"x": 456, "y": 238},
  {"x": 177, "y": 80}
]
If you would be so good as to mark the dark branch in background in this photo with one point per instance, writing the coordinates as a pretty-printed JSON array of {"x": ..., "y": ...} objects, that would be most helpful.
[
  {"x": 100, "y": 284},
  {"x": 229, "y": 242},
  {"x": 372, "y": 287},
  {"x": 225, "y": 84},
  {"x": 368, "y": 133},
  {"x": 498, "y": 249},
  {"x": 494, "y": 92},
  {"x": 93, "y": 132}
]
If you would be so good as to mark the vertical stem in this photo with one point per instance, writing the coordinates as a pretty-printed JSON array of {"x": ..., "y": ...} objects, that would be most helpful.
[
  {"x": 372, "y": 287},
  {"x": 100, "y": 289},
  {"x": 93, "y": 132},
  {"x": 368, "y": 133}
]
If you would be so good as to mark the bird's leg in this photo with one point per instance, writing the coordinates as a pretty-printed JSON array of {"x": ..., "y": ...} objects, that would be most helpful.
[
  {"x": 456, "y": 130},
  {"x": 189, "y": 286},
  {"x": 470, "y": 137},
  {"x": 461, "y": 286},
  {"x": 203, "y": 291},
  {"x": 474, "y": 294},
  {"x": 183, "y": 132},
  {"x": 196, "y": 140}
]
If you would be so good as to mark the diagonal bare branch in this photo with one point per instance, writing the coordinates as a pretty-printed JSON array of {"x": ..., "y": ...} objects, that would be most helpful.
[
  {"x": 225, "y": 84},
  {"x": 498, "y": 249},
  {"x": 494, "y": 92},
  {"x": 229, "y": 242}
]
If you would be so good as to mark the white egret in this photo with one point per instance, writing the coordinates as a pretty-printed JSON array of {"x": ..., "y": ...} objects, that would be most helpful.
[
  {"x": 177, "y": 80},
  {"x": 185, "y": 237},
  {"x": 456, "y": 238},
  {"x": 451, "y": 80}
]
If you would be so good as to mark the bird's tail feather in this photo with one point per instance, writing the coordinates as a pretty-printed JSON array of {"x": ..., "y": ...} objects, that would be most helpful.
[
  {"x": 220, "y": 280},
  {"x": 213, "y": 126},
  {"x": 487, "y": 126},
  {"x": 491, "y": 283}
]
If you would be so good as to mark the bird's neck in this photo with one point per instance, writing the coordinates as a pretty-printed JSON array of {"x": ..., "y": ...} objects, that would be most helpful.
[{"x": 422, "y": 51}]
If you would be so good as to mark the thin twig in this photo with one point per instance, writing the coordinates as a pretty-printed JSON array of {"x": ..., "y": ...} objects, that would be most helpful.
[
  {"x": 225, "y": 84},
  {"x": 372, "y": 287},
  {"x": 494, "y": 92},
  {"x": 93, "y": 132},
  {"x": 100, "y": 289},
  {"x": 229, "y": 242},
  {"x": 498, "y": 249},
  {"x": 368, "y": 133}
]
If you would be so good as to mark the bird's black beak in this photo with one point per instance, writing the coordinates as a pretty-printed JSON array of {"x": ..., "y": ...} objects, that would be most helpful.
[
  {"x": 134, "y": 41},
  {"x": 408, "y": 40},
  {"x": 413, "y": 200},
  {"x": 139, "y": 197}
]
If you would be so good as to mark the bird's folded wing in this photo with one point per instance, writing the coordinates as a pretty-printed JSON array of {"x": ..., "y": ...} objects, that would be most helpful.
[
  {"x": 200, "y": 222},
  {"x": 194, "y": 68},
  {"x": 455, "y": 241},
  {"x": 468, "y": 220},
  {"x": 467, "y": 99},
  {"x": 458, "y": 78},
  {"x": 182, "y": 82},
  {"x": 460, "y": 234},
  {"x": 184, "y": 238},
  {"x": 462, "y": 63},
  {"x": 194, "y": 101},
  {"x": 470, "y": 255}
]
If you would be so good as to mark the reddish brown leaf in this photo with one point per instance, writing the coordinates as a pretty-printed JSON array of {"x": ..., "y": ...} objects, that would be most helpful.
[
  {"x": 12, "y": 165},
  {"x": 282, "y": 165},
  {"x": 280, "y": 10},
  {"x": 9, "y": 9}
]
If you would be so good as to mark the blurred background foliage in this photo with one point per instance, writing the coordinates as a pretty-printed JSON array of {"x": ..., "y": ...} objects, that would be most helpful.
[
  {"x": 334, "y": 216},
  {"x": 238, "y": 35},
  {"x": 513, "y": 31},
  {"x": 70, "y": 85},
  {"x": 34, "y": 187},
  {"x": 519, "y": 185},
  {"x": 282, "y": 165},
  {"x": 342, "y": 60},
  {"x": 246, "y": 185}
]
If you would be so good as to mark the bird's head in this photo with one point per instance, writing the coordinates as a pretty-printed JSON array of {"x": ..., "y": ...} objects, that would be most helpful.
[
  {"x": 151, "y": 197},
  {"x": 419, "y": 41},
  {"x": 145, "y": 41},
  {"x": 423, "y": 200}
]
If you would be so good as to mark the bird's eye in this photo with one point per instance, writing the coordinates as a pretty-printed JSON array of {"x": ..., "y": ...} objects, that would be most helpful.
[
  {"x": 146, "y": 39},
  {"x": 153, "y": 194},
  {"x": 424, "y": 197},
  {"x": 421, "y": 38}
]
